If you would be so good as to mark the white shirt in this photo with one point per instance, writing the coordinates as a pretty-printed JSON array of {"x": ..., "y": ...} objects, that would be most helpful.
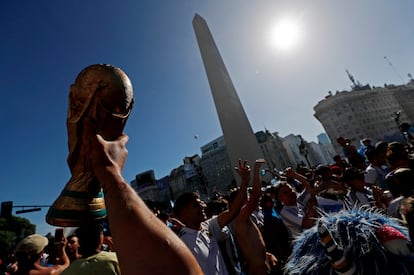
[
  {"x": 358, "y": 198},
  {"x": 204, "y": 246},
  {"x": 393, "y": 208},
  {"x": 292, "y": 217},
  {"x": 329, "y": 205},
  {"x": 375, "y": 176}
]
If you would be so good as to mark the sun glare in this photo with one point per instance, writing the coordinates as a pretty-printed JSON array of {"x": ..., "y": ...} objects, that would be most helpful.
[{"x": 285, "y": 34}]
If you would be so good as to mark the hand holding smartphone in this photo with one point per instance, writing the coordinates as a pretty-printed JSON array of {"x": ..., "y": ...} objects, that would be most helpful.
[{"x": 59, "y": 235}]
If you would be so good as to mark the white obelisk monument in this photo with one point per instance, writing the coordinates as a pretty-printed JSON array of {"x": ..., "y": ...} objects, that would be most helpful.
[{"x": 240, "y": 140}]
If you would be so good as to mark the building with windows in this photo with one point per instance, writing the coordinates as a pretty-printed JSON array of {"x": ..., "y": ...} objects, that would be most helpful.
[
  {"x": 152, "y": 191},
  {"x": 216, "y": 166},
  {"x": 213, "y": 173},
  {"x": 326, "y": 147},
  {"x": 274, "y": 151},
  {"x": 188, "y": 177},
  {"x": 178, "y": 182},
  {"x": 366, "y": 112}
]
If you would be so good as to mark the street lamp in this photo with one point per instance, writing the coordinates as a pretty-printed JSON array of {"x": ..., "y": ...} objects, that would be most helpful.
[
  {"x": 28, "y": 210},
  {"x": 403, "y": 128},
  {"x": 303, "y": 150}
]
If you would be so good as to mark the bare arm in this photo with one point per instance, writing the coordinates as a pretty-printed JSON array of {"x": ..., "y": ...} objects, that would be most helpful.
[
  {"x": 276, "y": 175},
  {"x": 253, "y": 201},
  {"x": 228, "y": 215},
  {"x": 65, "y": 262},
  {"x": 378, "y": 197},
  {"x": 59, "y": 268},
  {"x": 290, "y": 173},
  {"x": 143, "y": 243},
  {"x": 309, "y": 218}
]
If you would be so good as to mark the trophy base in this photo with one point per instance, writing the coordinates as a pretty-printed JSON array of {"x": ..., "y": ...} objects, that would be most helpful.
[{"x": 74, "y": 208}]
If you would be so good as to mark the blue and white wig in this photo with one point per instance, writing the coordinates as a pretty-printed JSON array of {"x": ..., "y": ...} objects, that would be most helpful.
[{"x": 353, "y": 241}]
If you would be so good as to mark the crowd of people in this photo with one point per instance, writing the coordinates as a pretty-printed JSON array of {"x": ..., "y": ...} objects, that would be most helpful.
[{"x": 251, "y": 230}]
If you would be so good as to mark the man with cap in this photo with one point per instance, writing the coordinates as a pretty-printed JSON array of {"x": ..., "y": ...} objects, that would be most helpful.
[{"x": 29, "y": 252}]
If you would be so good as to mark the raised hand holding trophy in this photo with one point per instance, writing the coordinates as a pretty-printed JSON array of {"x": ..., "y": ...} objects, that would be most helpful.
[{"x": 102, "y": 94}]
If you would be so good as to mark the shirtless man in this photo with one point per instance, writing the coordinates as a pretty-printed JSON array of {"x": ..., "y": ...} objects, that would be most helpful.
[
  {"x": 143, "y": 243},
  {"x": 247, "y": 235},
  {"x": 72, "y": 248}
]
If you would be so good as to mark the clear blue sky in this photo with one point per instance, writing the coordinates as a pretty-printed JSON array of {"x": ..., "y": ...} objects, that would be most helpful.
[{"x": 45, "y": 44}]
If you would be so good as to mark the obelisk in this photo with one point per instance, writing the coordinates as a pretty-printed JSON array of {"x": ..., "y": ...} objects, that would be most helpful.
[{"x": 240, "y": 140}]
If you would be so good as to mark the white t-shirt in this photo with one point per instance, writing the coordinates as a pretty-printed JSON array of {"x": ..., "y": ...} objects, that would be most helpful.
[
  {"x": 375, "y": 176},
  {"x": 358, "y": 198},
  {"x": 329, "y": 205},
  {"x": 204, "y": 246},
  {"x": 394, "y": 206},
  {"x": 292, "y": 217}
]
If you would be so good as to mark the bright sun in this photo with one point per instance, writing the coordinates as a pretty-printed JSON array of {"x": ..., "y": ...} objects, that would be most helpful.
[{"x": 285, "y": 34}]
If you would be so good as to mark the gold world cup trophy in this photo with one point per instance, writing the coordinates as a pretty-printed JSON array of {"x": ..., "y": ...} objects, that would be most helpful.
[{"x": 103, "y": 94}]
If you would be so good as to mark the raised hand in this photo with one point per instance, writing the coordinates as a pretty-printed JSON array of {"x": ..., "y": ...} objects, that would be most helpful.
[
  {"x": 107, "y": 157},
  {"x": 243, "y": 170},
  {"x": 289, "y": 172},
  {"x": 258, "y": 163}
]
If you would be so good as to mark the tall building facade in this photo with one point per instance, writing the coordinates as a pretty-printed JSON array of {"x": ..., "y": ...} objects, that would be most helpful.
[
  {"x": 150, "y": 189},
  {"x": 178, "y": 182},
  {"x": 327, "y": 148},
  {"x": 366, "y": 113},
  {"x": 299, "y": 151},
  {"x": 318, "y": 154},
  {"x": 273, "y": 150},
  {"x": 188, "y": 177},
  {"x": 213, "y": 172},
  {"x": 237, "y": 132},
  {"x": 216, "y": 166}
]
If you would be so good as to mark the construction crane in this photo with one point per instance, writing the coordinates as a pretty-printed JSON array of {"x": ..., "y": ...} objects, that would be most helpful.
[{"x": 394, "y": 69}]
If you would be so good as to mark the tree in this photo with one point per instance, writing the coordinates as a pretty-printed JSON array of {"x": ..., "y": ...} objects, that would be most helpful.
[{"x": 12, "y": 231}]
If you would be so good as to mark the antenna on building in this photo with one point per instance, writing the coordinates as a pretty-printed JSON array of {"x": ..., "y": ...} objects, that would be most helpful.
[
  {"x": 351, "y": 77},
  {"x": 394, "y": 69}
]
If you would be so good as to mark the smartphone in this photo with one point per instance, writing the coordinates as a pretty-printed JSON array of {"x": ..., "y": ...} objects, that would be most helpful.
[{"x": 58, "y": 235}]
